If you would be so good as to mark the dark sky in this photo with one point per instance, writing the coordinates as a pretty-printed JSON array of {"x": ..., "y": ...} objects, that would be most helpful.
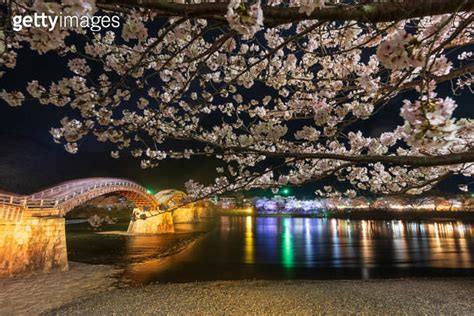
[{"x": 30, "y": 160}]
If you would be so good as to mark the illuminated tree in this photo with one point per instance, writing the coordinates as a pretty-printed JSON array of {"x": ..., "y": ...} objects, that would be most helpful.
[{"x": 278, "y": 90}]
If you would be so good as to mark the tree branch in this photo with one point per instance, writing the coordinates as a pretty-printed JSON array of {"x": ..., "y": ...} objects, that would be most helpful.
[
  {"x": 464, "y": 70},
  {"x": 374, "y": 12},
  {"x": 414, "y": 161}
]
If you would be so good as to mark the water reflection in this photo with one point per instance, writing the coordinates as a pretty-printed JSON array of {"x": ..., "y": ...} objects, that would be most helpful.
[
  {"x": 308, "y": 242},
  {"x": 366, "y": 243},
  {"x": 274, "y": 247},
  {"x": 249, "y": 248},
  {"x": 288, "y": 250}
]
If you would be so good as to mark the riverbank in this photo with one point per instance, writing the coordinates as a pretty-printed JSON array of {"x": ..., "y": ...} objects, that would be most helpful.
[
  {"x": 38, "y": 293},
  {"x": 35, "y": 294},
  {"x": 396, "y": 296}
]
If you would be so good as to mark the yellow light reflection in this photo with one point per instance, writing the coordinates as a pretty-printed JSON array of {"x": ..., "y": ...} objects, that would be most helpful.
[
  {"x": 400, "y": 243},
  {"x": 367, "y": 244},
  {"x": 249, "y": 241}
]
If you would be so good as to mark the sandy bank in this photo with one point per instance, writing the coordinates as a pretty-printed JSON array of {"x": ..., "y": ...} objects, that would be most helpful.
[
  {"x": 406, "y": 296},
  {"x": 37, "y": 293}
]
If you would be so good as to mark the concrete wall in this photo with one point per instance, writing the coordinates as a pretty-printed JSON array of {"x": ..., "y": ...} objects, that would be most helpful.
[
  {"x": 152, "y": 224},
  {"x": 33, "y": 244}
]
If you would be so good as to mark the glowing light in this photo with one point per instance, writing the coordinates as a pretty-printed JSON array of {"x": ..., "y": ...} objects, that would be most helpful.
[{"x": 248, "y": 210}]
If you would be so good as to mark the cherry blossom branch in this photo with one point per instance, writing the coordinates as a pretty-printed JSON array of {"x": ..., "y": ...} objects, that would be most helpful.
[
  {"x": 373, "y": 12},
  {"x": 413, "y": 161},
  {"x": 453, "y": 74}
]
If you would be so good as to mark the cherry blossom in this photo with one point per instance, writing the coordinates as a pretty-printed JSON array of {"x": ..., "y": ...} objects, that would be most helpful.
[
  {"x": 79, "y": 66},
  {"x": 428, "y": 122},
  {"x": 134, "y": 29},
  {"x": 14, "y": 98},
  {"x": 399, "y": 51},
  {"x": 247, "y": 20},
  {"x": 278, "y": 101},
  {"x": 308, "y": 6}
]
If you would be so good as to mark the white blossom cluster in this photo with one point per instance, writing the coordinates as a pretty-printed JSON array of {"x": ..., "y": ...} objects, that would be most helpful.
[
  {"x": 245, "y": 19},
  {"x": 429, "y": 123},
  {"x": 399, "y": 51}
]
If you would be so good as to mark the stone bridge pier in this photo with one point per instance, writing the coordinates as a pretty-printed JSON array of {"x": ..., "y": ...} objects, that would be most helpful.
[
  {"x": 38, "y": 243},
  {"x": 150, "y": 222},
  {"x": 32, "y": 244}
]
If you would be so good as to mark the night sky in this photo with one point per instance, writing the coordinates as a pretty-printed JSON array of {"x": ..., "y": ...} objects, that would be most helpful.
[{"x": 30, "y": 160}]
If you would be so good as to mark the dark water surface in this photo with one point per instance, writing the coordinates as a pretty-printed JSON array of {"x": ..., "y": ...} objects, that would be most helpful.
[{"x": 302, "y": 248}]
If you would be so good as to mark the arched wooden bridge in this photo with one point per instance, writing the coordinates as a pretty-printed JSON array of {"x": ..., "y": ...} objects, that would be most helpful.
[
  {"x": 32, "y": 227},
  {"x": 63, "y": 197}
]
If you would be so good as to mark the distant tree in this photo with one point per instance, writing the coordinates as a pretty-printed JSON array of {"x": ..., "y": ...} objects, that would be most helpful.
[{"x": 275, "y": 89}]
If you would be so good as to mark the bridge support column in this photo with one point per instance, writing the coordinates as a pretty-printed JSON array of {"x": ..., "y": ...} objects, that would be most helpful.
[
  {"x": 145, "y": 222},
  {"x": 34, "y": 244}
]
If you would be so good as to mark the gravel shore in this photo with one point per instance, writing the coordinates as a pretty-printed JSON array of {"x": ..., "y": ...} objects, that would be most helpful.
[
  {"x": 37, "y": 293},
  {"x": 396, "y": 296}
]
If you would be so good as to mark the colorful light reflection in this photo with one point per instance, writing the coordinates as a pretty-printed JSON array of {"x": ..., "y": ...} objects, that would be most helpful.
[
  {"x": 315, "y": 242},
  {"x": 287, "y": 244}
]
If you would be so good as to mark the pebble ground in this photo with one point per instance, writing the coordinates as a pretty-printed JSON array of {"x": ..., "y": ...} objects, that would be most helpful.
[
  {"x": 37, "y": 293},
  {"x": 396, "y": 296}
]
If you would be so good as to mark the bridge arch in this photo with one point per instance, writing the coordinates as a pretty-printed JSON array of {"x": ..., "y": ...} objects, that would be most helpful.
[
  {"x": 170, "y": 197},
  {"x": 67, "y": 195},
  {"x": 62, "y": 198}
]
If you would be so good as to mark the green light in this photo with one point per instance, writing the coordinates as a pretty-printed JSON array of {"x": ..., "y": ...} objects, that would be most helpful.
[
  {"x": 287, "y": 245},
  {"x": 285, "y": 191},
  {"x": 148, "y": 191}
]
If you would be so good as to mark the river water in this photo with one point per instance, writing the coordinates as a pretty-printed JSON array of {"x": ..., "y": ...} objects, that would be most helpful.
[{"x": 295, "y": 248}]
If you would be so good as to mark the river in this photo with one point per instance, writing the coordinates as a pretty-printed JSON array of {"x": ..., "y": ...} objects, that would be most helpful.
[{"x": 249, "y": 247}]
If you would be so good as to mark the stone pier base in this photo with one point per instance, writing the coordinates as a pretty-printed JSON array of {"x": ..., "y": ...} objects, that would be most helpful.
[
  {"x": 32, "y": 245},
  {"x": 149, "y": 223},
  {"x": 195, "y": 212},
  {"x": 185, "y": 214},
  {"x": 204, "y": 210}
]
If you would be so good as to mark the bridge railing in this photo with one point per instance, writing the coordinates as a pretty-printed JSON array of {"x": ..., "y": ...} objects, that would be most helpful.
[{"x": 12, "y": 200}]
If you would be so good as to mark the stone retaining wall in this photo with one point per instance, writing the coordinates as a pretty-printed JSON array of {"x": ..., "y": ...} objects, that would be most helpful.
[{"x": 32, "y": 245}]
